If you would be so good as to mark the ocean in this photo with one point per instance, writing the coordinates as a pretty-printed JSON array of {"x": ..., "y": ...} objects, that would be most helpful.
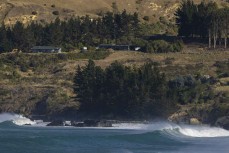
[{"x": 156, "y": 137}]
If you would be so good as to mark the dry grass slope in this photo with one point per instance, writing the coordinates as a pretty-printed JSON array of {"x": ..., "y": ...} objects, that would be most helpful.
[{"x": 21, "y": 10}]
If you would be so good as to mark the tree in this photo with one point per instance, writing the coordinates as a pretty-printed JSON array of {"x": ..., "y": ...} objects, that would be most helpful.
[
  {"x": 120, "y": 91},
  {"x": 211, "y": 6},
  {"x": 224, "y": 25},
  {"x": 18, "y": 35},
  {"x": 72, "y": 33},
  {"x": 108, "y": 26},
  {"x": 5, "y": 41},
  {"x": 184, "y": 18},
  {"x": 29, "y": 39},
  {"x": 56, "y": 33}
]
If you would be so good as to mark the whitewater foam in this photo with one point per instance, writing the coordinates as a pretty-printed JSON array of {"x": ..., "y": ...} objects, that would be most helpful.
[
  {"x": 162, "y": 126},
  {"x": 203, "y": 131},
  {"x": 21, "y": 120},
  {"x": 16, "y": 119},
  {"x": 176, "y": 130}
]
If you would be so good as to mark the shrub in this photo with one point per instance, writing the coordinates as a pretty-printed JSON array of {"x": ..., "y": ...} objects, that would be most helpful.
[
  {"x": 62, "y": 57},
  {"x": 24, "y": 67},
  {"x": 159, "y": 46},
  {"x": 162, "y": 46},
  {"x": 34, "y": 13},
  {"x": 222, "y": 68},
  {"x": 138, "y": 42},
  {"x": 178, "y": 46},
  {"x": 138, "y": 1},
  {"x": 169, "y": 60},
  {"x": 163, "y": 20},
  {"x": 55, "y": 13},
  {"x": 146, "y": 18}
]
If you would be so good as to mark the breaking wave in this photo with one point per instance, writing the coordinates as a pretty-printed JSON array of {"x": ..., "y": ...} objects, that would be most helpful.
[
  {"x": 168, "y": 128},
  {"x": 16, "y": 119},
  {"x": 163, "y": 127}
]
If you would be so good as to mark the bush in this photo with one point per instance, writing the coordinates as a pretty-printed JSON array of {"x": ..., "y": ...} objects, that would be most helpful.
[
  {"x": 163, "y": 20},
  {"x": 34, "y": 13},
  {"x": 187, "y": 89},
  {"x": 62, "y": 57},
  {"x": 24, "y": 67},
  {"x": 169, "y": 60},
  {"x": 162, "y": 46},
  {"x": 138, "y": 1},
  {"x": 146, "y": 18},
  {"x": 158, "y": 46},
  {"x": 177, "y": 46},
  {"x": 139, "y": 42},
  {"x": 55, "y": 13},
  {"x": 222, "y": 68}
]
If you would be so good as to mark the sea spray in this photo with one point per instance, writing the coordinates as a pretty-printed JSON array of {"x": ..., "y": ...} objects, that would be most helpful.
[
  {"x": 176, "y": 130},
  {"x": 16, "y": 119},
  {"x": 203, "y": 131},
  {"x": 163, "y": 127}
]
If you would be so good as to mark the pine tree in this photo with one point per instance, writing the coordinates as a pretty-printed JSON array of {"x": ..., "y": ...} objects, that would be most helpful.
[
  {"x": 18, "y": 35},
  {"x": 184, "y": 18},
  {"x": 56, "y": 37},
  {"x": 5, "y": 42}
]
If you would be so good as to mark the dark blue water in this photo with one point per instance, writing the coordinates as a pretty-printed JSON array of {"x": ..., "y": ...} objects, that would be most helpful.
[{"x": 152, "y": 138}]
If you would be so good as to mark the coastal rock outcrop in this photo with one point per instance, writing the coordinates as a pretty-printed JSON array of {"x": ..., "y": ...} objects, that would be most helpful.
[
  {"x": 92, "y": 123},
  {"x": 194, "y": 121},
  {"x": 179, "y": 117},
  {"x": 223, "y": 122},
  {"x": 56, "y": 123},
  {"x": 104, "y": 123}
]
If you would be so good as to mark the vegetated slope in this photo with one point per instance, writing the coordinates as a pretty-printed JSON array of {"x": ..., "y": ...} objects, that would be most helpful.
[
  {"x": 47, "y": 10},
  {"x": 45, "y": 86}
]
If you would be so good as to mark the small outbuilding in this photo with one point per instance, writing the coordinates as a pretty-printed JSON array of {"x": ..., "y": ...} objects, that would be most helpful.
[{"x": 45, "y": 49}]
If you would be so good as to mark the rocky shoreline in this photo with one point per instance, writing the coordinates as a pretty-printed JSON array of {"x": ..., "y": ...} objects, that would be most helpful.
[
  {"x": 185, "y": 118},
  {"x": 85, "y": 123},
  {"x": 222, "y": 122}
]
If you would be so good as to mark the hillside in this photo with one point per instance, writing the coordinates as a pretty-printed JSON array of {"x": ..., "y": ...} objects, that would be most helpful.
[
  {"x": 42, "y": 10},
  {"x": 42, "y": 84}
]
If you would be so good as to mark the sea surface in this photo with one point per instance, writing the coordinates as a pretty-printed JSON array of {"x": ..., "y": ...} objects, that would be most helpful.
[{"x": 156, "y": 137}]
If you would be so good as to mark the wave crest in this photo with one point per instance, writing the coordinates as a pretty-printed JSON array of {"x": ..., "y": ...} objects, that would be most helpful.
[
  {"x": 163, "y": 127},
  {"x": 16, "y": 119},
  {"x": 203, "y": 131},
  {"x": 172, "y": 129}
]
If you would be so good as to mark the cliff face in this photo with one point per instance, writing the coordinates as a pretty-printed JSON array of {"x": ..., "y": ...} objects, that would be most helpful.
[{"x": 47, "y": 10}]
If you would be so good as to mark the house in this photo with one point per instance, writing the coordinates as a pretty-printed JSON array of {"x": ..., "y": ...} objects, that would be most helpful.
[
  {"x": 122, "y": 47},
  {"x": 114, "y": 47},
  {"x": 46, "y": 49}
]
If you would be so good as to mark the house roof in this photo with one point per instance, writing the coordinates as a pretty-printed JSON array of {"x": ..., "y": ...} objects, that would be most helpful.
[
  {"x": 113, "y": 45},
  {"x": 44, "y": 48}
]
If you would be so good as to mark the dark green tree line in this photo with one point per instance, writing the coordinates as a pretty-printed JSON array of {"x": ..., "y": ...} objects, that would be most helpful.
[
  {"x": 121, "y": 91},
  {"x": 204, "y": 20},
  {"x": 74, "y": 33}
]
